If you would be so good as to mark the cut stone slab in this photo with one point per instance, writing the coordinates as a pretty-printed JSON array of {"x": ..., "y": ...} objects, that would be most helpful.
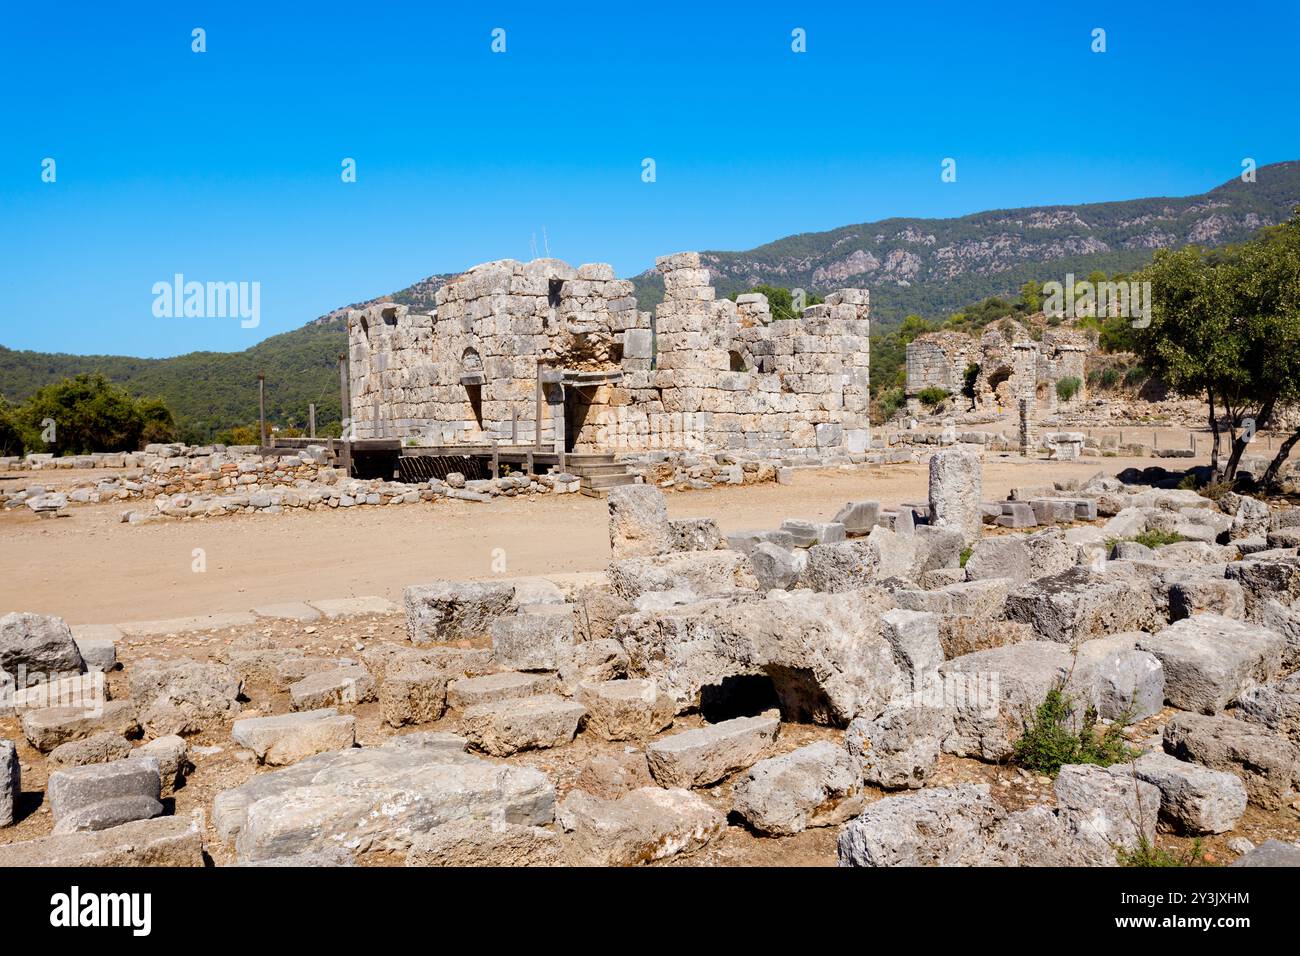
[
  {"x": 10, "y": 782},
  {"x": 699, "y": 757},
  {"x": 99, "y": 748},
  {"x": 99, "y": 796},
  {"x": 692, "y": 572},
  {"x": 533, "y": 640},
  {"x": 38, "y": 646},
  {"x": 1209, "y": 660},
  {"x": 1266, "y": 763},
  {"x": 995, "y": 692},
  {"x": 455, "y": 662},
  {"x": 626, "y": 709},
  {"x": 97, "y": 644},
  {"x": 162, "y": 841},
  {"x": 1193, "y": 799},
  {"x": 354, "y": 606},
  {"x": 858, "y": 517},
  {"x": 74, "y": 690},
  {"x": 1105, "y": 810},
  {"x": 181, "y": 696},
  {"x": 454, "y": 610},
  {"x": 1111, "y": 674},
  {"x": 1080, "y": 604},
  {"x": 287, "y": 738},
  {"x": 1006, "y": 556},
  {"x": 412, "y": 693},
  {"x": 638, "y": 522},
  {"x": 805, "y": 534},
  {"x": 340, "y": 687},
  {"x": 645, "y": 825},
  {"x": 182, "y": 625},
  {"x": 491, "y": 688},
  {"x": 1268, "y": 853},
  {"x": 172, "y": 757},
  {"x": 814, "y": 786},
  {"x": 525, "y": 723},
  {"x": 592, "y": 662},
  {"x": 899, "y": 749},
  {"x": 773, "y": 566},
  {"x": 477, "y": 842},
  {"x": 376, "y": 798},
  {"x": 289, "y": 611},
  {"x": 1220, "y": 596},
  {"x": 1276, "y": 706},
  {"x": 47, "y": 728},
  {"x": 940, "y": 827}
]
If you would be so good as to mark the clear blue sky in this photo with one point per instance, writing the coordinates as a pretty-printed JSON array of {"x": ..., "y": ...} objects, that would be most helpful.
[{"x": 225, "y": 165}]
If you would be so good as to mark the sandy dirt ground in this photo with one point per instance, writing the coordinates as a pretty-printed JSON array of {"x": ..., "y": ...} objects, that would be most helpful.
[{"x": 89, "y": 568}]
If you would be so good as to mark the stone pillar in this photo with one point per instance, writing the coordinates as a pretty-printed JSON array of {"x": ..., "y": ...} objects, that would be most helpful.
[
  {"x": 1024, "y": 406},
  {"x": 956, "y": 484}
]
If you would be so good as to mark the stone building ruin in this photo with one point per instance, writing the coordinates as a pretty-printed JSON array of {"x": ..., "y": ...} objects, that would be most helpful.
[
  {"x": 1005, "y": 364},
  {"x": 512, "y": 344}
]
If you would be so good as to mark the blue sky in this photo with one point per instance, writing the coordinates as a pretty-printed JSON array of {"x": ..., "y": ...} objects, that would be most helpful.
[{"x": 225, "y": 165}]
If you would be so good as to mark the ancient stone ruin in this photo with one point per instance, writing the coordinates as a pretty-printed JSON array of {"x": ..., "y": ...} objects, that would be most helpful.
[
  {"x": 512, "y": 344},
  {"x": 1005, "y": 364}
]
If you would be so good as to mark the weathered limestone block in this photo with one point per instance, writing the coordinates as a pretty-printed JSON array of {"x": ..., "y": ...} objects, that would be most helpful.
[
  {"x": 941, "y": 827},
  {"x": 645, "y": 825},
  {"x": 773, "y": 566},
  {"x": 1193, "y": 799},
  {"x": 10, "y": 782},
  {"x": 172, "y": 756},
  {"x": 626, "y": 709},
  {"x": 956, "y": 487},
  {"x": 858, "y": 517},
  {"x": 1080, "y": 604},
  {"x": 181, "y": 696},
  {"x": 702, "y": 573},
  {"x": 534, "y": 639},
  {"x": 376, "y": 798},
  {"x": 162, "y": 841},
  {"x": 699, "y": 757},
  {"x": 1208, "y": 660},
  {"x": 814, "y": 786},
  {"x": 447, "y": 611},
  {"x": 993, "y": 693},
  {"x": 1221, "y": 596},
  {"x": 1266, "y": 763},
  {"x": 39, "y": 646},
  {"x": 491, "y": 688},
  {"x": 805, "y": 534},
  {"x": 695, "y": 534},
  {"x": 479, "y": 842},
  {"x": 918, "y": 650},
  {"x": 899, "y": 749},
  {"x": 638, "y": 522},
  {"x": 525, "y": 723},
  {"x": 1106, "y": 810},
  {"x": 99, "y": 748},
  {"x": 1116, "y": 678},
  {"x": 287, "y": 738},
  {"x": 47, "y": 728},
  {"x": 1006, "y": 556},
  {"x": 344, "y": 687},
  {"x": 1271, "y": 853},
  {"x": 1276, "y": 706},
  {"x": 413, "y": 693},
  {"x": 99, "y": 796}
]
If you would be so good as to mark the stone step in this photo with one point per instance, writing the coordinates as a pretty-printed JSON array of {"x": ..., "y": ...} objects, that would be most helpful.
[
  {"x": 605, "y": 482},
  {"x": 598, "y": 468}
]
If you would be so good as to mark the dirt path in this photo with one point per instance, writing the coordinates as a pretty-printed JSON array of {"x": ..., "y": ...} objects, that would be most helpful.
[{"x": 89, "y": 568}]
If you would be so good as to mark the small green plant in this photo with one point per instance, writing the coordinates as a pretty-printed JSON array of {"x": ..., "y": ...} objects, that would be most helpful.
[
  {"x": 932, "y": 396},
  {"x": 1156, "y": 538},
  {"x": 965, "y": 555},
  {"x": 1147, "y": 854},
  {"x": 1050, "y": 740},
  {"x": 1068, "y": 387},
  {"x": 1135, "y": 376}
]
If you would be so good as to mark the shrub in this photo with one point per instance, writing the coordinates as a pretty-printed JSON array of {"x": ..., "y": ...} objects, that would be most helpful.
[
  {"x": 1146, "y": 854},
  {"x": 1135, "y": 376},
  {"x": 1050, "y": 742},
  {"x": 890, "y": 402},
  {"x": 1068, "y": 387},
  {"x": 1154, "y": 539},
  {"x": 89, "y": 413},
  {"x": 932, "y": 396}
]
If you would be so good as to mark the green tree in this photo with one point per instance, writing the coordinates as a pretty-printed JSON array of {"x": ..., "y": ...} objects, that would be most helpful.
[
  {"x": 1226, "y": 326},
  {"x": 11, "y": 441},
  {"x": 87, "y": 414}
]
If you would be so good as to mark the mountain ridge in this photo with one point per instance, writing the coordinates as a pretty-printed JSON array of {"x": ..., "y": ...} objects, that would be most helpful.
[{"x": 931, "y": 267}]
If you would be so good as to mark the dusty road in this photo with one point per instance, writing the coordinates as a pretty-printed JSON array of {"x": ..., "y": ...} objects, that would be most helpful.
[{"x": 89, "y": 568}]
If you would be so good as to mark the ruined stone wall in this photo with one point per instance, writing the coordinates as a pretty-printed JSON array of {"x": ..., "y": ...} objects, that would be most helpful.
[
  {"x": 938, "y": 360},
  {"x": 704, "y": 374}
]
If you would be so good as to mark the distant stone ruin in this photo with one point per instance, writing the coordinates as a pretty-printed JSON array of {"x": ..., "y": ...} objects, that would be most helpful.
[
  {"x": 541, "y": 352},
  {"x": 1004, "y": 365}
]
